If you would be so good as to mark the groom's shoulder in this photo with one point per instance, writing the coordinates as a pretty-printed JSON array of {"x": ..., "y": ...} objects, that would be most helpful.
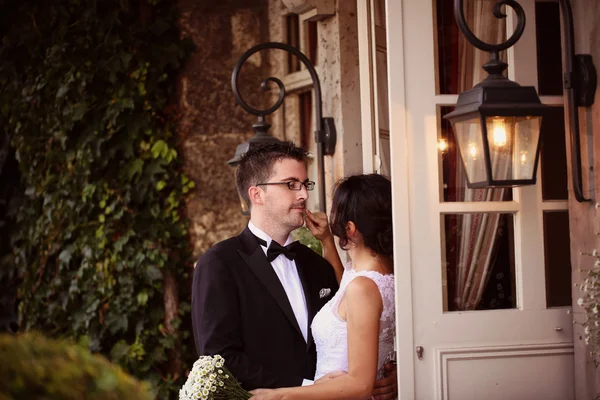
[
  {"x": 226, "y": 245},
  {"x": 222, "y": 251}
]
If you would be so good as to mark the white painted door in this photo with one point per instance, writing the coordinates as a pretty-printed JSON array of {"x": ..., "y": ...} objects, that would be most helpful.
[{"x": 521, "y": 345}]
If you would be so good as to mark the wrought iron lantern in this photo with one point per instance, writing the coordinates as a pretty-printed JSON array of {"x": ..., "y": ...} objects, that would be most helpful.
[
  {"x": 325, "y": 133},
  {"x": 497, "y": 123}
]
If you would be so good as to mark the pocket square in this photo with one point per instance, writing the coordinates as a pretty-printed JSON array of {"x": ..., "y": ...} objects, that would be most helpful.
[{"x": 324, "y": 292}]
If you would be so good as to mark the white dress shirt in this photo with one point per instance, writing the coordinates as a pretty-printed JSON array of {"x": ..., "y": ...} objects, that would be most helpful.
[{"x": 290, "y": 280}]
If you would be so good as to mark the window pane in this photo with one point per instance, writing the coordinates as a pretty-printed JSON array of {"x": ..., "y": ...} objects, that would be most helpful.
[
  {"x": 382, "y": 90},
  {"x": 549, "y": 56},
  {"x": 306, "y": 124},
  {"x": 454, "y": 178},
  {"x": 557, "y": 254},
  {"x": 458, "y": 62},
  {"x": 385, "y": 167},
  {"x": 292, "y": 25},
  {"x": 478, "y": 261},
  {"x": 313, "y": 42},
  {"x": 554, "y": 156},
  {"x": 379, "y": 6}
]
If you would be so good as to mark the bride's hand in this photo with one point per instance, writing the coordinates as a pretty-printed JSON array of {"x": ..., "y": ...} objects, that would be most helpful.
[
  {"x": 266, "y": 394},
  {"x": 329, "y": 376},
  {"x": 318, "y": 225}
]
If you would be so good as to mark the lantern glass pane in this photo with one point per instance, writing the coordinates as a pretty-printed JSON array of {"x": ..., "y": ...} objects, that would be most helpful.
[
  {"x": 513, "y": 145},
  {"x": 470, "y": 143},
  {"x": 453, "y": 179}
]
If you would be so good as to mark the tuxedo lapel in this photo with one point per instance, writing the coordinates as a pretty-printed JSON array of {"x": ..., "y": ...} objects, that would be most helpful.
[
  {"x": 262, "y": 268},
  {"x": 311, "y": 303}
]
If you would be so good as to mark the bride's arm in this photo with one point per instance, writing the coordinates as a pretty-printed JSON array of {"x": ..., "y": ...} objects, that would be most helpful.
[
  {"x": 331, "y": 255},
  {"x": 318, "y": 225},
  {"x": 364, "y": 306}
]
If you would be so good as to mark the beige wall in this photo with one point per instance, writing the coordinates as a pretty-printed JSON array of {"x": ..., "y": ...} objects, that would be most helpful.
[
  {"x": 338, "y": 74},
  {"x": 585, "y": 217},
  {"x": 212, "y": 124},
  {"x": 339, "y": 44}
]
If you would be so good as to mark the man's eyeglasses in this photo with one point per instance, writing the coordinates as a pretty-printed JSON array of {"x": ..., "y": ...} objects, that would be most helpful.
[{"x": 292, "y": 185}]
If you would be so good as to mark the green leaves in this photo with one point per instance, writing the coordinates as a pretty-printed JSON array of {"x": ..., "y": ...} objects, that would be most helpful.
[
  {"x": 135, "y": 169},
  {"x": 142, "y": 298},
  {"x": 160, "y": 185},
  {"x": 161, "y": 149},
  {"x": 63, "y": 370},
  {"x": 84, "y": 92},
  {"x": 119, "y": 351},
  {"x": 153, "y": 273}
]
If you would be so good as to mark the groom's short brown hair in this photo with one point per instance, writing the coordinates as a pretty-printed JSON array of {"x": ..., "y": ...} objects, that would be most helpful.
[{"x": 256, "y": 166}]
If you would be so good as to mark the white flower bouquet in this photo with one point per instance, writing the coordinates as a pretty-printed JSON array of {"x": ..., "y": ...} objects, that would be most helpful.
[
  {"x": 209, "y": 379},
  {"x": 590, "y": 301}
]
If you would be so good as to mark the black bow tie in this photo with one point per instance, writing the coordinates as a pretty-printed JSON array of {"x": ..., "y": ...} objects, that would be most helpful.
[{"x": 275, "y": 249}]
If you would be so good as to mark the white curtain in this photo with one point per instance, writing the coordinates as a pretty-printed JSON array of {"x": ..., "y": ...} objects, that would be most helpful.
[{"x": 477, "y": 233}]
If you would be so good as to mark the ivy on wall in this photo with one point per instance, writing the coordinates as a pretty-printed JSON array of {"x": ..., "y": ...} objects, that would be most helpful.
[{"x": 100, "y": 241}]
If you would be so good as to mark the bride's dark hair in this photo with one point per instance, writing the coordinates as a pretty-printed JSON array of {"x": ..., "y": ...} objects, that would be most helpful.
[{"x": 365, "y": 200}]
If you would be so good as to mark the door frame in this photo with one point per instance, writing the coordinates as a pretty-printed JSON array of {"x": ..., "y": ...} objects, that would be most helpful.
[{"x": 400, "y": 197}]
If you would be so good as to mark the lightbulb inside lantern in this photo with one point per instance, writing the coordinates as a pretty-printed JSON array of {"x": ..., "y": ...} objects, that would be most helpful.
[
  {"x": 442, "y": 145},
  {"x": 473, "y": 150},
  {"x": 523, "y": 157},
  {"x": 499, "y": 132}
]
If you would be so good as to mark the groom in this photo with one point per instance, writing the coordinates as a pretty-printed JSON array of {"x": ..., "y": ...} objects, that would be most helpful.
[{"x": 255, "y": 295}]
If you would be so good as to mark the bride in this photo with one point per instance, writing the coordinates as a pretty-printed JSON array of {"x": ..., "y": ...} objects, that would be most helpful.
[{"x": 354, "y": 332}]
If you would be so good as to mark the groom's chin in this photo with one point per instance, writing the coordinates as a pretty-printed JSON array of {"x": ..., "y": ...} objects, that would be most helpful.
[{"x": 298, "y": 221}]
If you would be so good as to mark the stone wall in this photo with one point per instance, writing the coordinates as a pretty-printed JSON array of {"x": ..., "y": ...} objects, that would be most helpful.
[{"x": 212, "y": 124}]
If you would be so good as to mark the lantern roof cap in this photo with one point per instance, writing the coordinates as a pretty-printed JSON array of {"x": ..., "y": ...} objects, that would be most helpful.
[
  {"x": 497, "y": 95},
  {"x": 260, "y": 136}
]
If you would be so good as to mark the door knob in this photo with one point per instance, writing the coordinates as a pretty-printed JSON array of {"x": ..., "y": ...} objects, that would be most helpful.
[{"x": 420, "y": 352}]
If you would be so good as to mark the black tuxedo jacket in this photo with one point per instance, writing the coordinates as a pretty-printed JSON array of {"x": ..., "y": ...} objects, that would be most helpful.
[{"x": 241, "y": 311}]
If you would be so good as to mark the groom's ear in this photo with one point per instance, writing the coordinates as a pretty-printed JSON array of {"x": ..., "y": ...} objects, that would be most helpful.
[{"x": 255, "y": 195}]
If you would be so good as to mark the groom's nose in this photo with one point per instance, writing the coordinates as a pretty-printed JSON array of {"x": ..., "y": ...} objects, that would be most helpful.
[{"x": 302, "y": 193}]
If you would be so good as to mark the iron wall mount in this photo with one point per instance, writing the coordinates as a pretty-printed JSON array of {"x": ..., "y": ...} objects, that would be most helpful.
[
  {"x": 325, "y": 132},
  {"x": 580, "y": 85}
]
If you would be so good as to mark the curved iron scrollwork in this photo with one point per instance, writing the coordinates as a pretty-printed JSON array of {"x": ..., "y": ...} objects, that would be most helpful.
[
  {"x": 265, "y": 86},
  {"x": 325, "y": 134},
  {"x": 495, "y": 65},
  {"x": 492, "y": 48},
  {"x": 264, "y": 83}
]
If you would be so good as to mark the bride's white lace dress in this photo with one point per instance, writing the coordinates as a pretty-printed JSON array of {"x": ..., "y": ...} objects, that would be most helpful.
[{"x": 331, "y": 334}]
